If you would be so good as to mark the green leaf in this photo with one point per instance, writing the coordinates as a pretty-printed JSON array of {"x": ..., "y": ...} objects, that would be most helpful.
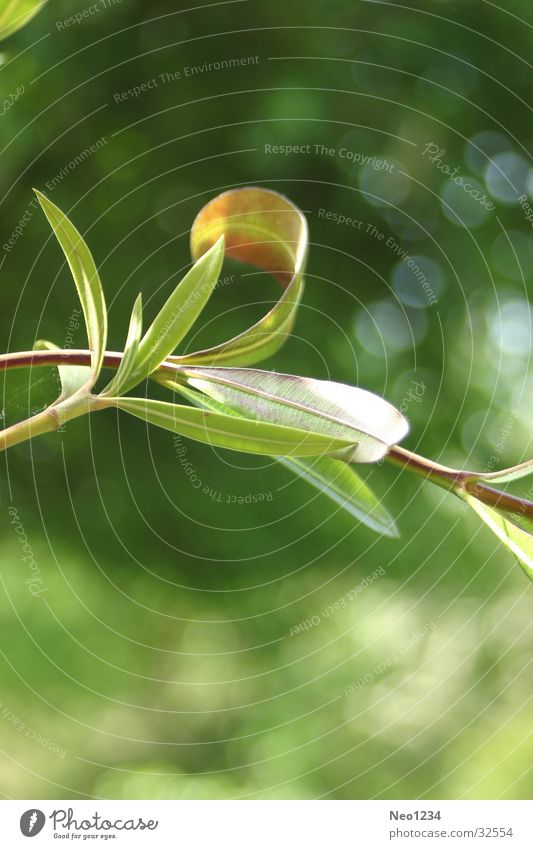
[
  {"x": 507, "y": 475},
  {"x": 72, "y": 378},
  {"x": 332, "y": 477},
  {"x": 86, "y": 279},
  {"x": 520, "y": 520},
  {"x": 120, "y": 381},
  {"x": 178, "y": 315},
  {"x": 45, "y": 345},
  {"x": 517, "y": 540},
  {"x": 228, "y": 431},
  {"x": 342, "y": 484},
  {"x": 370, "y": 424},
  {"x": 264, "y": 229},
  {"x": 16, "y": 14}
]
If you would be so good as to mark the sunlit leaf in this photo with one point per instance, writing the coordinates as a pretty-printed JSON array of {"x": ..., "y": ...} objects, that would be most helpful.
[
  {"x": 234, "y": 432},
  {"x": 342, "y": 484},
  {"x": 332, "y": 477},
  {"x": 266, "y": 230},
  {"x": 515, "y": 538},
  {"x": 119, "y": 382},
  {"x": 86, "y": 279},
  {"x": 507, "y": 475},
  {"x": 178, "y": 314},
  {"x": 15, "y": 14},
  {"x": 521, "y": 520},
  {"x": 72, "y": 377},
  {"x": 365, "y": 420}
]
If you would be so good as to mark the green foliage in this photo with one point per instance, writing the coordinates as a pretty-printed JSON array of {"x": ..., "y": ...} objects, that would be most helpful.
[
  {"x": 281, "y": 415},
  {"x": 87, "y": 282},
  {"x": 343, "y": 485},
  {"x": 129, "y": 361},
  {"x": 287, "y": 417},
  {"x": 72, "y": 378},
  {"x": 234, "y": 432},
  {"x": 15, "y": 14},
  {"x": 523, "y": 470},
  {"x": 177, "y": 316},
  {"x": 159, "y": 657},
  {"x": 330, "y": 476},
  {"x": 268, "y": 231},
  {"x": 514, "y": 537},
  {"x": 369, "y": 424}
]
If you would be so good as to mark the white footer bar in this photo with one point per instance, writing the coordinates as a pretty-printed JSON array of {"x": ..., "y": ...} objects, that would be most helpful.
[{"x": 269, "y": 824}]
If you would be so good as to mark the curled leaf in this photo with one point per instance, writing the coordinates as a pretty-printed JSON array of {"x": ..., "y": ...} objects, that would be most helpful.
[{"x": 264, "y": 229}]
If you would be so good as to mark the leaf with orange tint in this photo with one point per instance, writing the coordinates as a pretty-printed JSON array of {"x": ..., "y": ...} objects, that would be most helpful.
[{"x": 264, "y": 229}]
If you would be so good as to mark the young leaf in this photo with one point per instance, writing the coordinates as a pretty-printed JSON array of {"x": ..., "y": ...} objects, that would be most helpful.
[
  {"x": 264, "y": 229},
  {"x": 228, "y": 431},
  {"x": 72, "y": 378},
  {"x": 178, "y": 315},
  {"x": 365, "y": 420},
  {"x": 521, "y": 520},
  {"x": 342, "y": 484},
  {"x": 507, "y": 475},
  {"x": 332, "y": 477},
  {"x": 86, "y": 279},
  {"x": 16, "y": 14},
  {"x": 517, "y": 540},
  {"x": 127, "y": 364}
]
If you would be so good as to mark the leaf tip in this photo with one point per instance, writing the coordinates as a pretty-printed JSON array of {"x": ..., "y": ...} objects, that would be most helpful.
[
  {"x": 45, "y": 203},
  {"x": 220, "y": 244}
]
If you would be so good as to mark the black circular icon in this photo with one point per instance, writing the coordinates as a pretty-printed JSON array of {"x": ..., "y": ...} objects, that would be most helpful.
[{"x": 32, "y": 822}]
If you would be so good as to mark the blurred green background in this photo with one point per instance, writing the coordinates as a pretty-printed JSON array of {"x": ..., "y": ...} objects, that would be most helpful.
[{"x": 158, "y": 660}]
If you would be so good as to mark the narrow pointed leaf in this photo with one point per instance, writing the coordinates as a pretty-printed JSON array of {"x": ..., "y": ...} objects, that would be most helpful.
[
  {"x": 179, "y": 313},
  {"x": 365, "y": 420},
  {"x": 119, "y": 382},
  {"x": 228, "y": 431},
  {"x": 341, "y": 483},
  {"x": 517, "y": 540},
  {"x": 520, "y": 520},
  {"x": 86, "y": 279},
  {"x": 507, "y": 475},
  {"x": 264, "y": 229},
  {"x": 15, "y": 14},
  {"x": 72, "y": 378}
]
